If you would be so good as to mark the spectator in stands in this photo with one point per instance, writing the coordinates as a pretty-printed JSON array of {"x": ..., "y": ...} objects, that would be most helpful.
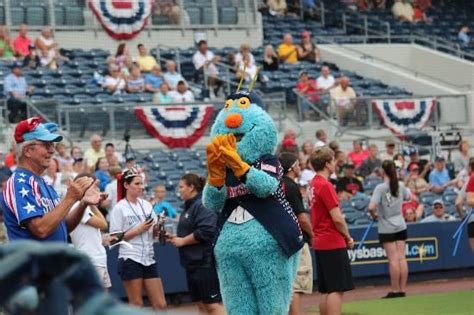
[
  {"x": 122, "y": 57},
  {"x": 363, "y": 5},
  {"x": 153, "y": 79},
  {"x": 16, "y": 90},
  {"x": 463, "y": 35},
  {"x": 334, "y": 145},
  {"x": 6, "y": 50},
  {"x": 246, "y": 69},
  {"x": 358, "y": 154},
  {"x": 343, "y": 98},
  {"x": 245, "y": 51},
  {"x": 371, "y": 165},
  {"x": 419, "y": 14},
  {"x": 135, "y": 82},
  {"x": 386, "y": 208},
  {"x": 325, "y": 81},
  {"x": 113, "y": 157},
  {"x": 439, "y": 176},
  {"x": 402, "y": 11},
  {"x": 277, "y": 7},
  {"x": 287, "y": 51},
  {"x": 52, "y": 175},
  {"x": 76, "y": 152},
  {"x": 182, "y": 94},
  {"x": 22, "y": 43},
  {"x": 111, "y": 190},
  {"x": 102, "y": 173},
  {"x": 378, "y": 5},
  {"x": 289, "y": 145},
  {"x": 438, "y": 213},
  {"x": 47, "y": 49},
  {"x": 389, "y": 153},
  {"x": 94, "y": 152},
  {"x": 321, "y": 138},
  {"x": 348, "y": 185},
  {"x": 194, "y": 239},
  {"x": 171, "y": 76},
  {"x": 205, "y": 60},
  {"x": 341, "y": 160},
  {"x": 134, "y": 221},
  {"x": 169, "y": 8},
  {"x": 309, "y": 89},
  {"x": 412, "y": 210},
  {"x": 425, "y": 165},
  {"x": 87, "y": 238},
  {"x": 78, "y": 167},
  {"x": 307, "y": 49},
  {"x": 461, "y": 161},
  {"x": 160, "y": 205},
  {"x": 270, "y": 59},
  {"x": 115, "y": 82},
  {"x": 425, "y": 4},
  {"x": 32, "y": 61},
  {"x": 400, "y": 165},
  {"x": 145, "y": 61},
  {"x": 62, "y": 156},
  {"x": 467, "y": 193},
  {"x": 163, "y": 97},
  {"x": 307, "y": 149},
  {"x": 414, "y": 181}
]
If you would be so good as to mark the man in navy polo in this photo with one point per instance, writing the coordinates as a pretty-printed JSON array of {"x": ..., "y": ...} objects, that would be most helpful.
[{"x": 32, "y": 208}]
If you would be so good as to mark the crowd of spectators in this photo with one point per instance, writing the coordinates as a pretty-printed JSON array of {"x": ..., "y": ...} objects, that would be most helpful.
[{"x": 436, "y": 188}]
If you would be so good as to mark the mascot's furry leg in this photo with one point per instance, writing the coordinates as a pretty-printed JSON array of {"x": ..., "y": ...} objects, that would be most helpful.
[{"x": 254, "y": 274}]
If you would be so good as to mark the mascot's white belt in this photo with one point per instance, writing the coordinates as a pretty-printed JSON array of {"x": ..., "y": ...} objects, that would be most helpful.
[{"x": 239, "y": 216}]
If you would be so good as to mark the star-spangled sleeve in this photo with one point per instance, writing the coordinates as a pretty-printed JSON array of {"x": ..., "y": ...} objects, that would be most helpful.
[{"x": 21, "y": 196}]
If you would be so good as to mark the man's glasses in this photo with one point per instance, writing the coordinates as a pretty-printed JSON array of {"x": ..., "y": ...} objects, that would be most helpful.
[{"x": 45, "y": 144}]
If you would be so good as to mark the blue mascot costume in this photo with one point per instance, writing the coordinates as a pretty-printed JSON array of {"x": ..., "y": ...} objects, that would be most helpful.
[{"x": 258, "y": 241}]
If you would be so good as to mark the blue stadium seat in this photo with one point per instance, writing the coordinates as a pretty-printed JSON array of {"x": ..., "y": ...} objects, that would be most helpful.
[
  {"x": 59, "y": 15},
  {"x": 228, "y": 15},
  {"x": 194, "y": 14},
  {"x": 427, "y": 198},
  {"x": 36, "y": 15},
  {"x": 360, "y": 202},
  {"x": 74, "y": 16},
  {"x": 207, "y": 15},
  {"x": 2, "y": 14},
  {"x": 17, "y": 15}
]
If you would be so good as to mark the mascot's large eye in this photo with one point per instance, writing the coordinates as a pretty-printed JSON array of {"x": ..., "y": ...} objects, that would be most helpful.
[
  {"x": 228, "y": 104},
  {"x": 243, "y": 102}
]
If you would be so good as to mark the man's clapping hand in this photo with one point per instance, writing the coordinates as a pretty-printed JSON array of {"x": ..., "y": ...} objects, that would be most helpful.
[{"x": 77, "y": 188}]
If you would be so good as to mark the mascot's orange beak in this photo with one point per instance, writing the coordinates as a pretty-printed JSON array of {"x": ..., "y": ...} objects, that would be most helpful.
[{"x": 233, "y": 120}]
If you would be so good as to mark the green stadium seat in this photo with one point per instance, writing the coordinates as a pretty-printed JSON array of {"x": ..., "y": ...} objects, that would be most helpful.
[
  {"x": 59, "y": 15},
  {"x": 194, "y": 14},
  {"x": 36, "y": 15},
  {"x": 74, "y": 16},
  {"x": 17, "y": 15},
  {"x": 2, "y": 14},
  {"x": 207, "y": 16},
  {"x": 228, "y": 15}
]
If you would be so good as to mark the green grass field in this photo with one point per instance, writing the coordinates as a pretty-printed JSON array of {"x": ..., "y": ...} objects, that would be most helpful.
[{"x": 454, "y": 303}]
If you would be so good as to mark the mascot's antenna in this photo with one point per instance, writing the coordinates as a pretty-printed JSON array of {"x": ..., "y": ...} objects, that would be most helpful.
[
  {"x": 242, "y": 78},
  {"x": 254, "y": 79}
]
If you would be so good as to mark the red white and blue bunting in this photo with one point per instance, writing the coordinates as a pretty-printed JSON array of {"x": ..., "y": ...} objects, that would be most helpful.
[
  {"x": 122, "y": 19},
  {"x": 175, "y": 126},
  {"x": 399, "y": 115}
]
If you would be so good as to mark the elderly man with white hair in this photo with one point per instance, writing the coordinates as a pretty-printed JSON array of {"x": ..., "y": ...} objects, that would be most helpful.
[
  {"x": 171, "y": 76},
  {"x": 32, "y": 208},
  {"x": 95, "y": 152}
]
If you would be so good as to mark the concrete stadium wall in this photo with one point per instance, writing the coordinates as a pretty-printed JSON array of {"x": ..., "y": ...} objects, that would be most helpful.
[{"x": 422, "y": 71}]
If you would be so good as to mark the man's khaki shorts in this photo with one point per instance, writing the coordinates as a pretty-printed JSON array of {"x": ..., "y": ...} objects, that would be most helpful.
[{"x": 304, "y": 277}]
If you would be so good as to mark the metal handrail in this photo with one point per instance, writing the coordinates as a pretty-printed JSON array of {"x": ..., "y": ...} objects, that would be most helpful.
[{"x": 330, "y": 40}]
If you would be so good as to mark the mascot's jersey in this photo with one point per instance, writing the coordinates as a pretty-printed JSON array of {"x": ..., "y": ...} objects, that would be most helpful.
[{"x": 274, "y": 212}]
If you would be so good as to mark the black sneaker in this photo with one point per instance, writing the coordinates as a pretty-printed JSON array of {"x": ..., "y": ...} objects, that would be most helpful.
[
  {"x": 401, "y": 294},
  {"x": 391, "y": 295}
]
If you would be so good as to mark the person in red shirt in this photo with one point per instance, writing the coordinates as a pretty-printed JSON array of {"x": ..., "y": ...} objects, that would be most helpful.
[
  {"x": 309, "y": 88},
  {"x": 22, "y": 42},
  {"x": 331, "y": 235},
  {"x": 358, "y": 154}
]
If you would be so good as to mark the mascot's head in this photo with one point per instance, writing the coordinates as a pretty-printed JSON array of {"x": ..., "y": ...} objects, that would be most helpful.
[{"x": 243, "y": 115}]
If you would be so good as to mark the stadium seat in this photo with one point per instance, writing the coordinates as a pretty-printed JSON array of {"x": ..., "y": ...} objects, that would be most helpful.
[
  {"x": 359, "y": 202},
  {"x": 59, "y": 15},
  {"x": 2, "y": 14},
  {"x": 427, "y": 198},
  {"x": 17, "y": 15},
  {"x": 228, "y": 15},
  {"x": 74, "y": 16},
  {"x": 207, "y": 15},
  {"x": 36, "y": 15},
  {"x": 194, "y": 14}
]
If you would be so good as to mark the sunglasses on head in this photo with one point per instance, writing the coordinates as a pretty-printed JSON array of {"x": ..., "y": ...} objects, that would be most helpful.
[{"x": 133, "y": 172}]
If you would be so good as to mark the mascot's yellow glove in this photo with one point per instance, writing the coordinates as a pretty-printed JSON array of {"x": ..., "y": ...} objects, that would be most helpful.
[
  {"x": 215, "y": 164},
  {"x": 232, "y": 159}
]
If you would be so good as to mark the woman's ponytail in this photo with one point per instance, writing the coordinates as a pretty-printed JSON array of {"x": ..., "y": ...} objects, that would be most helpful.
[{"x": 391, "y": 171}]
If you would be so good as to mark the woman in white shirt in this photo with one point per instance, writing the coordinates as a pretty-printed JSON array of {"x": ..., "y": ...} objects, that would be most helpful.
[{"x": 135, "y": 218}]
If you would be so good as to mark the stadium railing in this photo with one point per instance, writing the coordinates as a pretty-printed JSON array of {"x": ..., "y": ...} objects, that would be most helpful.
[
  {"x": 115, "y": 120},
  {"x": 376, "y": 30},
  {"x": 361, "y": 114}
]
